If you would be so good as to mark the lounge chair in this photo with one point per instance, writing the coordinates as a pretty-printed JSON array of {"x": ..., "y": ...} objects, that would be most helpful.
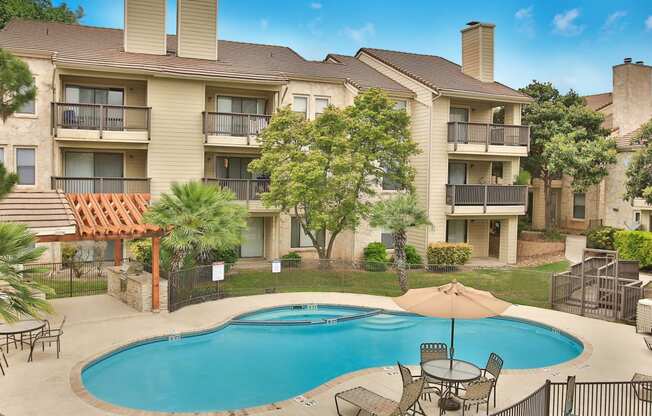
[
  {"x": 642, "y": 389},
  {"x": 4, "y": 358},
  {"x": 648, "y": 342},
  {"x": 377, "y": 405},
  {"x": 433, "y": 351},
  {"x": 47, "y": 336},
  {"x": 476, "y": 393}
]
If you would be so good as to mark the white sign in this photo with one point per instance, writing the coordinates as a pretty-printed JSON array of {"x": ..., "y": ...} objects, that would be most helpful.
[
  {"x": 276, "y": 266},
  {"x": 218, "y": 271}
]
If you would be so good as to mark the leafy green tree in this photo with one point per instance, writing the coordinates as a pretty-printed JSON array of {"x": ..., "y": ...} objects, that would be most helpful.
[
  {"x": 38, "y": 10},
  {"x": 7, "y": 181},
  {"x": 16, "y": 84},
  {"x": 397, "y": 215},
  {"x": 643, "y": 135},
  {"x": 566, "y": 138},
  {"x": 326, "y": 171},
  {"x": 639, "y": 175},
  {"x": 198, "y": 219}
]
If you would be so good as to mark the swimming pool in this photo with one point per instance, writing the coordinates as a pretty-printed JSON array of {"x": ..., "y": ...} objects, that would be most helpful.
[{"x": 279, "y": 353}]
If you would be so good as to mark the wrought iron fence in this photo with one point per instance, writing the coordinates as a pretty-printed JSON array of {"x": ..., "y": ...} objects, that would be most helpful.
[
  {"x": 68, "y": 279},
  {"x": 623, "y": 398}
]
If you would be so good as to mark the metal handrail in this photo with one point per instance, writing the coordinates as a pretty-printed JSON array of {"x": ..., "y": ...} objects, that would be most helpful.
[
  {"x": 96, "y": 117},
  {"x": 233, "y": 124},
  {"x": 244, "y": 189},
  {"x": 485, "y": 195},
  {"x": 100, "y": 184},
  {"x": 488, "y": 134}
]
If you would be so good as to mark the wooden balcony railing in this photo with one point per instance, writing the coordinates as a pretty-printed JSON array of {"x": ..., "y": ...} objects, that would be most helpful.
[
  {"x": 485, "y": 195},
  {"x": 234, "y": 124},
  {"x": 101, "y": 117},
  {"x": 100, "y": 185},
  {"x": 244, "y": 189},
  {"x": 488, "y": 134}
]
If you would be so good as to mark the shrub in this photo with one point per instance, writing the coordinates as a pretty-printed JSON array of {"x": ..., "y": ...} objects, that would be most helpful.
[
  {"x": 292, "y": 259},
  {"x": 553, "y": 235},
  {"x": 68, "y": 254},
  {"x": 601, "y": 238},
  {"x": 412, "y": 258},
  {"x": 635, "y": 245},
  {"x": 227, "y": 255},
  {"x": 448, "y": 253},
  {"x": 141, "y": 250},
  {"x": 375, "y": 257}
]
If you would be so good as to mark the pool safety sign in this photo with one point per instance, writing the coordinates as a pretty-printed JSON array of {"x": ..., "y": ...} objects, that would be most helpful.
[
  {"x": 218, "y": 271},
  {"x": 276, "y": 266}
]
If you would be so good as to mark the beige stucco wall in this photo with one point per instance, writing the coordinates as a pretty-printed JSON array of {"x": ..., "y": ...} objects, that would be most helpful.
[
  {"x": 632, "y": 96},
  {"x": 197, "y": 29},
  {"x": 478, "y": 52},
  {"x": 176, "y": 150},
  {"x": 618, "y": 212},
  {"x": 508, "y": 240},
  {"x": 478, "y": 237},
  {"x": 27, "y": 130},
  {"x": 145, "y": 26}
]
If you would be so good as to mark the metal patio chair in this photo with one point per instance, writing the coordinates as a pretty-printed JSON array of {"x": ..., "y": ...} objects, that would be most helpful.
[
  {"x": 4, "y": 358},
  {"x": 48, "y": 336},
  {"x": 433, "y": 351},
  {"x": 648, "y": 342},
  {"x": 643, "y": 387},
  {"x": 476, "y": 393}
]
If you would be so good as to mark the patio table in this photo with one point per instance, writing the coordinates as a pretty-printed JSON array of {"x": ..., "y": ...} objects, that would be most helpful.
[
  {"x": 460, "y": 372},
  {"x": 22, "y": 328}
]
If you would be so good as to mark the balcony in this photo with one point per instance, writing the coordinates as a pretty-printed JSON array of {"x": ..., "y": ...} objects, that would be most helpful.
[
  {"x": 486, "y": 199},
  {"x": 93, "y": 122},
  {"x": 479, "y": 138},
  {"x": 244, "y": 189},
  {"x": 233, "y": 129},
  {"x": 100, "y": 185}
]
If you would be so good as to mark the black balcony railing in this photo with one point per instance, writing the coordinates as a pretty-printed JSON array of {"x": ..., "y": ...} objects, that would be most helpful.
[
  {"x": 100, "y": 117},
  {"x": 488, "y": 134},
  {"x": 101, "y": 185},
  {"x": 485, "y": 195},
  {"x": 234, "y": 124},
  {"x": 244, "y": 189}
]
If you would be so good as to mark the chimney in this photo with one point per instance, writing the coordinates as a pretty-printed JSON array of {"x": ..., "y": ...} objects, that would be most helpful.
[
  {"x": 145, "y": 27},
  {"x": 627, "y": 60},
  {"x": 197, "y": 29},
  {"x": 632, "y": 101},
  {"x": 478, "y": 50}
]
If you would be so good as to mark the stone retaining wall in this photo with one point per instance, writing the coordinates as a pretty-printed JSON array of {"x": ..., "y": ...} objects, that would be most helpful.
[{"x": 539, "y": 248}]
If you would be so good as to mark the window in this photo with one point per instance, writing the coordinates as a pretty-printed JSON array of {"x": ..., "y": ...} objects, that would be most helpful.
[
  {"x": 320, "y": 105},
  {"x": 579, "y": 205},
  {"x": 300, "y": 239},
  {"x": 497, "y": 169},
  {"x": 460, "y": 114},
  {"x": 2, "y": 155},
  {"x": 456, "y": 231},
  {"x": 400, "y": 105},
  {"x": 27, "y": 108},
  {"x": 637, "y": 217},
  {"x": 300, "y": 105},
  {"x": 389, "y": 183},
  {"x": 26, "y": 166},
  {"x": 232, "y": 167},
  {"x": 387, "y": 238},
  {"x": 241, "y": 105}
]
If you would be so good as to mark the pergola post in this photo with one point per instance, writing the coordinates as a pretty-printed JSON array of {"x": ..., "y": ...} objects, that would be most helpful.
[
  {"x": 156, "y": 254},
  {"x": 117, "y": 253}
]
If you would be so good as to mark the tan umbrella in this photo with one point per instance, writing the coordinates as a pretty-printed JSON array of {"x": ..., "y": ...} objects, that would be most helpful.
[{"x": 454, "y": 301}]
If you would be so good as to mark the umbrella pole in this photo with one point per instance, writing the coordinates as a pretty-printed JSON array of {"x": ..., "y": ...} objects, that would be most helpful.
[{"x": 452, "y": 342}]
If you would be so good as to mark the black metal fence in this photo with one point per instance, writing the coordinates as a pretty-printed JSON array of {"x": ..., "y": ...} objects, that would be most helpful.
[
  {"x": 77, "y": 278},
  {"x": 623, "y": 398}
]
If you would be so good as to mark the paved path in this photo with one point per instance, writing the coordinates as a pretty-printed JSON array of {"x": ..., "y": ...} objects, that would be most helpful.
[
  {"x": 100, "y": 323},
  {"x": 575, "y": 244}
]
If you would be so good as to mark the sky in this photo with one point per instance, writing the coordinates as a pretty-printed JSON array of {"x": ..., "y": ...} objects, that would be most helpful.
[{"x": 572, "y": 44}]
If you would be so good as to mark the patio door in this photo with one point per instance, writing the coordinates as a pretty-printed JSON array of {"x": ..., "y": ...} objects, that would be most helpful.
[
  {"x": 456, "y": 173},
  {"x": 253, "y": 238},
  {"x": 461, "y": 115},
  {"x": 494, "y": 238}
]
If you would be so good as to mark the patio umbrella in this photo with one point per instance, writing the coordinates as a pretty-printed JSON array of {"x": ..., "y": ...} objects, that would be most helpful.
[{"x": 454, "y": 301}]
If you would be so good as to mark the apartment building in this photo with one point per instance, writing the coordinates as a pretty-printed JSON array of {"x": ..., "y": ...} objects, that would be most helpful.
[
  {"x": 135, "y": 110},
  {"x": 625, "y": 108}
]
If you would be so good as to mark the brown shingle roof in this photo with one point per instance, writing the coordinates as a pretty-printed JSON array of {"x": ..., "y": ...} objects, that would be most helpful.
[
  {"x": 85, "y": 45},
  {"x": 598, "y": 101},
  {"x": 44, "y": 213},
  {"x": 438, "y": 73}
]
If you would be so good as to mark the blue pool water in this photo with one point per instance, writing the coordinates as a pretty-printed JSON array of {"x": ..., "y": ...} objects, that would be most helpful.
[{"x": 251, "y": 363}]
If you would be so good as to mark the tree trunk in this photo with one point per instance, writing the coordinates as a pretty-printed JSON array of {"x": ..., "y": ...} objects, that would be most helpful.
[{"x": 400, "y": 239}]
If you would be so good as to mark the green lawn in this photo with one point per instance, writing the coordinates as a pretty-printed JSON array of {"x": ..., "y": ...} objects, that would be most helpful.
[
  {"x": 525, "y": 286},
  {"x": 79, "y": 287}
]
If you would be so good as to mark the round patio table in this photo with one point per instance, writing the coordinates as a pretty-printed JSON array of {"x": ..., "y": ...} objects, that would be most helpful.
[
  {"x": 461, "y": 372},
  {"x": 21, "y": 328}
]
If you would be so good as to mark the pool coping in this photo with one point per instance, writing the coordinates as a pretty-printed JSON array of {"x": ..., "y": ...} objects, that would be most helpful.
[{"x": 80, "y": 390}]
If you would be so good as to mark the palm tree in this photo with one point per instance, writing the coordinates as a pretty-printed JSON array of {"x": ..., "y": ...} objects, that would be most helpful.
[
  {"x": 397, "y": 215},
  {"x": 197, "y": 218},
  {"x": 17, "y": 291}
]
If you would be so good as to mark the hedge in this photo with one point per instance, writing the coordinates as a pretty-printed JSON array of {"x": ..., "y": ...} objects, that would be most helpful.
[
  {"x": 375, "y": 257},
  {"x": 635, "y": 245},
  {"x": 601, "y": 238},
  {"x": 291, "y": 259},
  {"x": 448, "y": 254}
]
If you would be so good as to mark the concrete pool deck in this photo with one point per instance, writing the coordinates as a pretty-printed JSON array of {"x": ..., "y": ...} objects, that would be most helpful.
[{"x": 97, "y": 324}]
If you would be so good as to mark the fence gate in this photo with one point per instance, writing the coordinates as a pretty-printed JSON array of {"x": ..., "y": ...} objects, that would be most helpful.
[{"x": 68, "y": 279}]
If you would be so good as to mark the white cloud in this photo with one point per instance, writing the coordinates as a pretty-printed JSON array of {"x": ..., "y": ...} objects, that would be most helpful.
[
  {"x": 525, "y": 21},
  {"x": 614, "y": 21},
  {"x": 264, "y": 24},
  {"x": 316, "y": 5},
  {"x": 361, "y": 34},
  {"x": 648, "y": 23},
  {"x": 565, "y": 23}
]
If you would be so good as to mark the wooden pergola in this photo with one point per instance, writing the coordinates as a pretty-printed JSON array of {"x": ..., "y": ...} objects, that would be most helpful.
[{"x": 114, "y": 217}]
